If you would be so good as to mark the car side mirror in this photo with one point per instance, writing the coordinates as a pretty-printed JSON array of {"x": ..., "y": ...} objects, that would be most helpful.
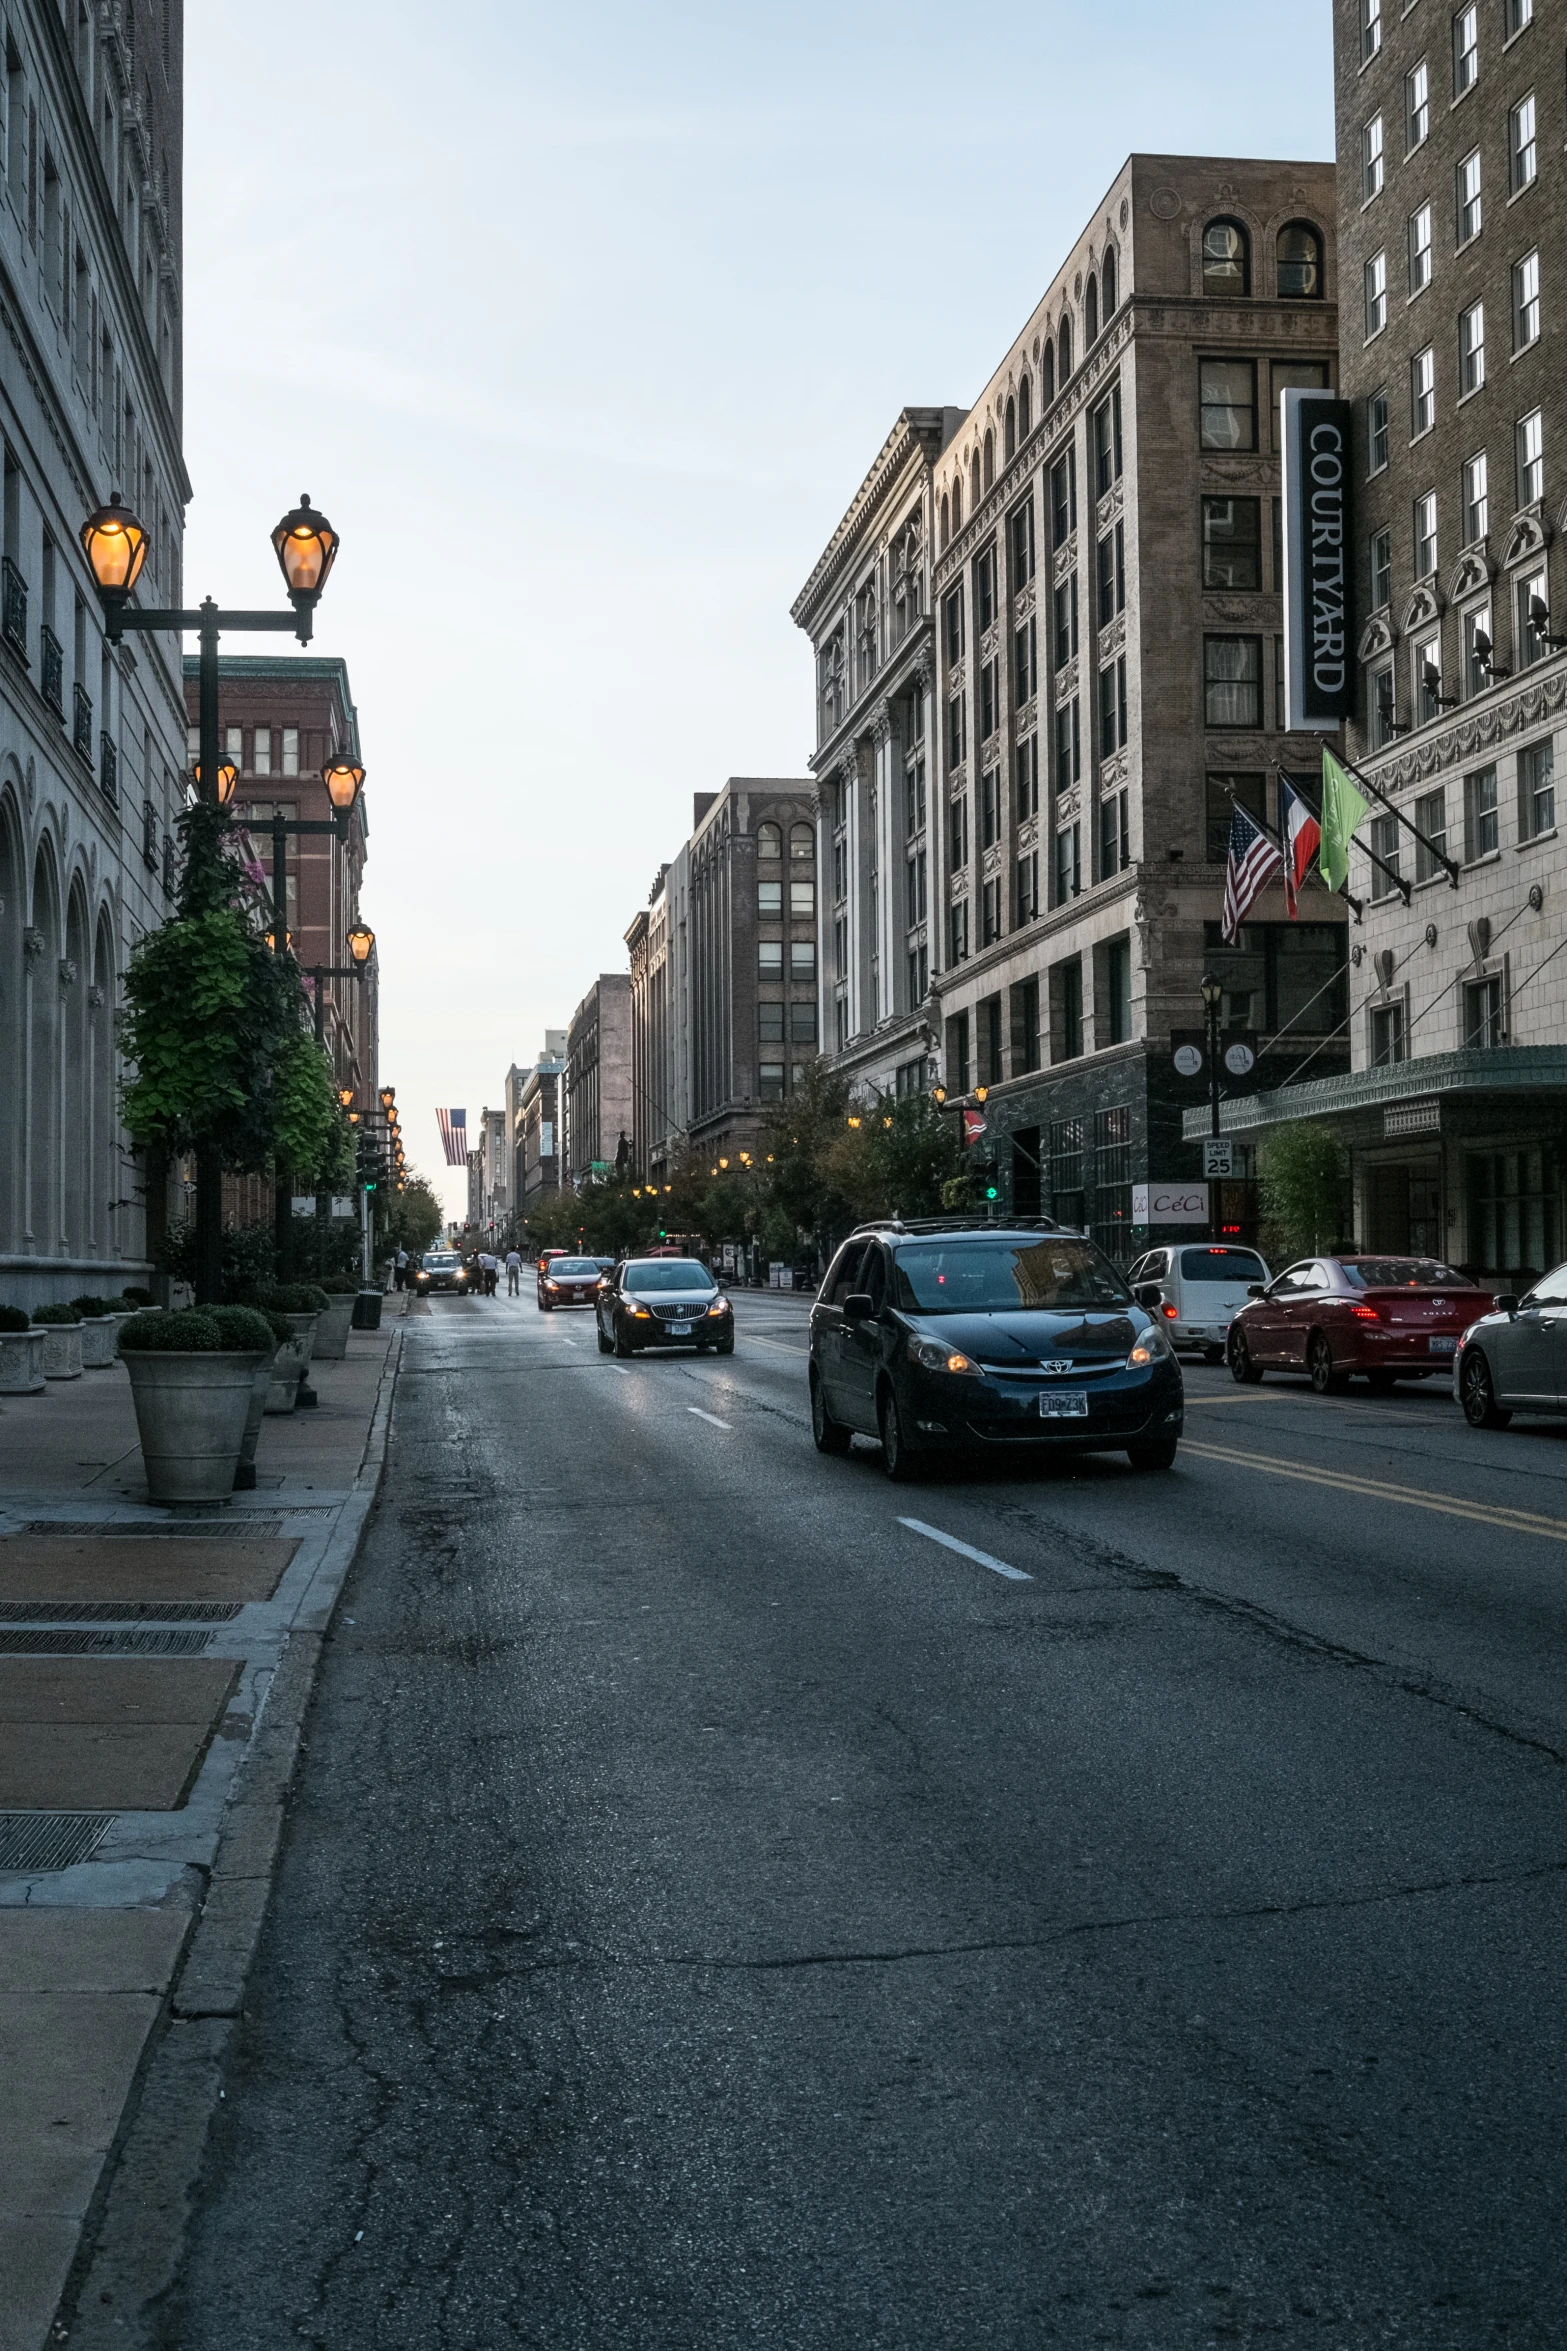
[
  {"x": 1507, "y": 1304},
  {"x": 1147, "y": 1294},
  {"x": 859, "y": 1307},
  {"x": 1255, "y": 1290}
]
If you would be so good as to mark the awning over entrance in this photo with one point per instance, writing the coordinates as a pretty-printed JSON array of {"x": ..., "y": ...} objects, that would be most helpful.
[{"x": 1401, "y": 1090}]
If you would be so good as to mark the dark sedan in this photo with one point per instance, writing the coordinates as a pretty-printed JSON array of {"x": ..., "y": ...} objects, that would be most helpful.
[
  {"x": 1385, "y": 1318},
  {"x": 442, "y": 1269},
  {"x": 664, "y": 1302},
  {"x": 988, "y": 1340}
]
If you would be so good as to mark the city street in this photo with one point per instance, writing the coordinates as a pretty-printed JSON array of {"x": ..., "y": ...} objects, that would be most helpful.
[{"x": 715, "y": 1913}]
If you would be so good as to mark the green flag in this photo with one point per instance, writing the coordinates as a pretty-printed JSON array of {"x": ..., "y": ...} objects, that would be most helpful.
[{"x": 1342, "y": 809}]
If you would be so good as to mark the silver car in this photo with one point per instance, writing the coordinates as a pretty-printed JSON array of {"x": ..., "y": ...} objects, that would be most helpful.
[{"x": 1514, "y": 1359}]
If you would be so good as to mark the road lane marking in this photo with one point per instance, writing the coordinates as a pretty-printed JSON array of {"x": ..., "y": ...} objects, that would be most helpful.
[
  {"x": 709, "y": 1416},
  {"x": 620, "y": 1367},
  {"x": 1518, "y": 1522},
  {"x": 755, "y": 1339},
  {"x": 950, "y": 1543}
]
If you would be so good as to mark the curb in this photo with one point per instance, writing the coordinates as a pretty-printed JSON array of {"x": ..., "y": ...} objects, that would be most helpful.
[{"x": 134, "y": 2233}]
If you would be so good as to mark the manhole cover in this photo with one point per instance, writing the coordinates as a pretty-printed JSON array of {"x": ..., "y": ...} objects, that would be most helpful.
[
  {"x": 126, "y": 1644},
  {"x": 32, "y": 1612},
  {"x": 50, "y": 1840}
]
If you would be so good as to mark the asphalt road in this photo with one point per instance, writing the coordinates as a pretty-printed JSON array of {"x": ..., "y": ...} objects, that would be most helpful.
[{"x": 714, "y": 1913}]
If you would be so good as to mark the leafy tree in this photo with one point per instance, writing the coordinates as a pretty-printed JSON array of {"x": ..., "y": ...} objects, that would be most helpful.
[
  {"x": 797, "y": 1139},
  {"x": 414, "y": 1217},
  {"x": 1302, "y": 1172}
]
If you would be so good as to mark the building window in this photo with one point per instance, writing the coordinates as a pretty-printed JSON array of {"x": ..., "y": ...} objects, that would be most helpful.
[
  {"x": 984, "y": 590},
  {"x": 802, "y": 1016},
  {"x": 1483, "y": 1027},
  {"x": 1381, "y": 568},
  {"x": 1108, "y": 274},
  {"x": 1425, "y": 661},
  {"x": 1385, "y": 872},
  {"x": 1231, "y": 543},
  {"x": 1113, "y": 1182},
  {"x": 770, "y": 1024},
  {"x": 1529, "y": 440},
  {"x": 1118, "y": 992},
  {"x": 957, "y": 730},
  {"x": 1513, "y": 1211},
  {"x": 1027, "y": 887},
  {"x": 1308, "y": 374},
  {"x": 1466, "y": 48},
  {"x": 234, "y": 744},
  {"x": 952, "y": 624},
  {"x": 1069, "y": 864},
  {"x": 1526, "y": 301},
  {"x": 1111, "y": 565},
  {"x": 1471, "y": 349},
  {"x": 769, "y": 959},
  {"x": 1232, "y": 681},
  {"x": 1112, "y": 707},
  {"x": 916, "y": 871},
  {"x": 1420, "y": 249},
  {"x": 1069, "y": 746},
  {"x": 1025, "y": 1027},
  {"x": 989, "y": 699},
  {"x": 1480, "y": 835},
  {"x": 1376, "y": 295},
  {"x": 1063, "y": 498},
  {"x": 990, "y": 807},
  {"x": 1422, "y": 392},
  {"x": 919, "y": 988},
  {"x": 957, "y": 932},
  {"x": 957, "y": 832},
  {"x": 1376, "y": 432},
  {"x": 1115, "y": 847},
  {"x": 1470, "y": 213},
  {"x": 1417, "y": 106},
  {"x": 1476, "y": 499},
  {"x": 802, "y": 901},
  {"x": 1371, "y": 159},
  {"x": 1221, "y": 794},
  {"x": 1025, "y": 776},
  {"x": 990, "y": 912},
  {"x": 1519, "y": 13},
  {"x": 1066, "y": 1008},
  {"x": 1379, "y": 705},
  {"x": 1388, "y": 1042},
  {"x": 261, "y": 752},
  {"x": 1521, "y": 152},
  {"x": 770, "y": 1081},
  {"x": 1107, "y": 443},
  {"x": 769, "y": 901},
  {"x": 1298, "y": 255},
  {"x": 1228, "y": 401},
  {"x": 291, "y": 751},
  {"x": 1431, "y": 820},
  {"x": 1226, "y": 259},
  {"x": 1477, "y": 649},
  {"x": 1370, "y": 29},
  {"x": 1068, "y": 1200},
  {"x": 802, "y": 960},
  {"x": 769, "y": 841},
  {"x": 1425, "y": 535},
  {"x": 1063, "y": 612},
  {"x": 1531, "y": 620},
  {"x": 1020, "y": 543},
  {"x": 989, "y": 1010},
  {"x": 1536, "y": 791},
  {"x": 1025, "y": 662}
]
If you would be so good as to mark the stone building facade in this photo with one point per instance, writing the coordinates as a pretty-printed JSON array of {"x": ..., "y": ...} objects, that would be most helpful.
[
  {"x": 599, "y": 1115},
  {"x": 867, "y": 611},
  {"x": 658, "y": 945},
  {"x": 91, "y": 737},
  {"x": 1107, "y": 620},
  {"x": 1453, "y": 205},
  {"x": 537, "y": 1136}
]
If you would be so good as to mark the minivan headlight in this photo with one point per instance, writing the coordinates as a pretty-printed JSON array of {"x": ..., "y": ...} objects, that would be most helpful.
[
  {"x": 1151, "y": 1346},
  {"x": 930, "y": 1355}
]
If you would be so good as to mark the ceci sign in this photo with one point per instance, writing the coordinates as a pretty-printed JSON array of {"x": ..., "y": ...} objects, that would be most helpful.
[{"x": 1169, "y": 1204}]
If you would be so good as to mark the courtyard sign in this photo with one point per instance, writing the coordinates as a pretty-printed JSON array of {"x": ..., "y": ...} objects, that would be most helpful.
[{"x": 1319, "y": 661}]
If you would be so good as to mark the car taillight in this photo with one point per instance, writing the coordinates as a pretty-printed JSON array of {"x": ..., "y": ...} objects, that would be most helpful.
[
  {"x": 1365, "y": 1314},
  {"x": 1168, "y": 1309}
]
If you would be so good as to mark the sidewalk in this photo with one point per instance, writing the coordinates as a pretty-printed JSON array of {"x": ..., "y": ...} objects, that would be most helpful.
[{"x": 142, "y": 1768}]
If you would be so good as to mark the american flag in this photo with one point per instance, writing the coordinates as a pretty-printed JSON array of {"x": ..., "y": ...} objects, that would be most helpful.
[
  {"x": 454, "y": 1136},
  {"x": 1251, "y": 865}
]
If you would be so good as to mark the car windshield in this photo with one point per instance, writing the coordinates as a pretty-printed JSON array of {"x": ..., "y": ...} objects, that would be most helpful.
[
  {"x": 668, "y": 1273},
  {"x": 1222, "y": 1265},
  {"x": 439, "y": 1264},
  {"x": 1403, "y": 1273},
  {"x": 576, "y": 1267},
  {"x": 998, "y": 1277}
]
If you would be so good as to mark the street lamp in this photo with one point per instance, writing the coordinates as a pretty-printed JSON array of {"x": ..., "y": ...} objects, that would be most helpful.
[
  {"x": 361, "y": 945},
  {"x": 1212, "y": 998},
  {"x": 306, "y": 547}
]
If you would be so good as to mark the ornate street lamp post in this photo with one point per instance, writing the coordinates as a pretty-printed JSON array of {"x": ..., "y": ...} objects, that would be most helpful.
[{"x": 1212, "y": 999}]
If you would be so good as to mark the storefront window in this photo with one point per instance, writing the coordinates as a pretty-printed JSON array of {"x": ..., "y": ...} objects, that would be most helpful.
[{"x": 1513, "y": 1212}]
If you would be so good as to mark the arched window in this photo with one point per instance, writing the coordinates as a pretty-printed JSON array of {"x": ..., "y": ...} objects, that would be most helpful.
[
  {"x": 957, "y": 502},
  {"x": 802, "y": 841},
  {"x": 1009, "y": 430},
  {"x": 1047, "y": 374},
  {"x": 1091, "y": 312},
  {"x": 946, "y": 522},
  {"x": 1226, "y": 258},
  {"x": 975, "y": 489},
  {"x": 1025, "y": 406},
  {"x": 769, "y": 841},
  {"x": 1107, "y": 281},
  {"x": 990, "y": 457},
  {"x": 1064, "y": 350},
  {"x": 1300, "y": 262}
]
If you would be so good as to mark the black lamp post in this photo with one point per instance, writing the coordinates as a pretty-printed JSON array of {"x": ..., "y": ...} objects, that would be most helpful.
[
  {"x": 115, "y": 542},
  {"x": 1212, "y": 999}
]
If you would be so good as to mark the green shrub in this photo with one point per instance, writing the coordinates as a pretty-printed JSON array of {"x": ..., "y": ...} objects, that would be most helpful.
[
  {"x": 280, "y": 1325},
  {"x": 136, "y": 1297},
  {"x": 190, "y": 1331},
  {"x": 54, "y": 1315},
  {"x": 92, "y": 1309},
  {"x": 337, "y": 1287},
  {"x": 292, "y": 1298},
  {"x": 243, "y": 1329},
  {"x": 14, "y": 1318}
]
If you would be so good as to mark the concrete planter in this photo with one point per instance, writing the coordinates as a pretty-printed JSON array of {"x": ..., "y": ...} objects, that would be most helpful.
[
  {"x": 190, "y": 1416},
  {"x": 289, "y": 1363},
  {"x": 62, "y": 1350},
  {"x": 21, "y": 1363},
  {"x": 260, "y": 1389},
  {"x": 332, "y": 1329},
  {"x": 98, "y": 1334}
]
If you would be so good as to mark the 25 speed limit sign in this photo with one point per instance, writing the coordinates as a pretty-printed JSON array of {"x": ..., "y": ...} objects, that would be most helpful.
[{"x": 1218, "y": 1157}]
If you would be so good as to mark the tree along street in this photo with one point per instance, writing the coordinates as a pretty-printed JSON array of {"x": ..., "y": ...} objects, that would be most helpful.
[{"x": 715, "y": 1911}]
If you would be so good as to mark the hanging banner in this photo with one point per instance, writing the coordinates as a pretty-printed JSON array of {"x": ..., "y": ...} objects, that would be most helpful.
[
  {"x": 1319, "y": 659},
  {"x": 973, "y": 1127}
]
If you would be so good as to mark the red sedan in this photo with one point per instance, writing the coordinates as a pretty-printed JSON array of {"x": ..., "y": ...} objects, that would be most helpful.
[
  {"x": 567, "y": 1281},
  {"x": 1387, "y": 1318}
]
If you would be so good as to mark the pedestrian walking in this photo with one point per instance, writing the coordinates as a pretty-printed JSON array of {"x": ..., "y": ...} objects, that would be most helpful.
[
  {"x": 513, "y": 1273},
  {"x": 400, "y": 1270}
]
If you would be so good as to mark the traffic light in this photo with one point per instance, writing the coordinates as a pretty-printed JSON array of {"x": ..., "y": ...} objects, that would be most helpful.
[{"x": 992, "y": 1192}]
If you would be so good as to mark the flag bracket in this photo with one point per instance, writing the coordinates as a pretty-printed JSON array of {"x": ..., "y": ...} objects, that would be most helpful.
[
  {"x": 1447, "y": 863},
  {"x": 1393, "y": 876}
]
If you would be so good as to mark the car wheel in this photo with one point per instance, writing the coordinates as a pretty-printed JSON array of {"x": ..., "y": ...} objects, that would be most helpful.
[
  {"x": 546, "y": 1305},
  {"x": 606, "y": 1346},
  {"x": 622, "y": 1343},
  {"x": 724, "y": 1346},
  {"x": 897, "y": 1460},
  {"x": 1213, "y": 1356},
  {"x": 830, "y": 1435},
  {"x": 1319, "y": 1364},
  {"x": 1157, "y": 1453},
  {"x": 1481, "y": 1409},
  {"x": 1242, "y": 1368}
]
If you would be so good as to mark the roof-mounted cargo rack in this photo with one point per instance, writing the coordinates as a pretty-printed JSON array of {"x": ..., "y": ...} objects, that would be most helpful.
[{"x": 962, "y": 1224}]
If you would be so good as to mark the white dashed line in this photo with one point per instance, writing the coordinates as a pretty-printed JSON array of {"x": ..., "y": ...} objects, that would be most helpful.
[
  {"x": 917, "y": 1526},
  {"x": 709, "y": 1416}
]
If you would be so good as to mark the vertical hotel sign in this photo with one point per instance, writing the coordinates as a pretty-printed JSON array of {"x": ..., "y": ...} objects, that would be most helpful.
[{"x": 1319, "y": 659}]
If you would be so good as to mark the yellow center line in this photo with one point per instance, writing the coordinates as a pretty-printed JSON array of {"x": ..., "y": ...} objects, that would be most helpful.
[{"x": 1522, "y": 1522}]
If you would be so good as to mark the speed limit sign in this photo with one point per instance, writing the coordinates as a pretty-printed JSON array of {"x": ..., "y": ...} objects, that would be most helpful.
[{"x": 1218, "y": 1156}]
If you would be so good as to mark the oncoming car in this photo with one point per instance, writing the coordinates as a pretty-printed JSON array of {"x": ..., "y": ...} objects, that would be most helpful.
[
  {"x": 1201, "y": 1288},
  {"x": 442, "y": 1269},
  {"x": 568, "y": 1281},
  {"x": 982, "y": 1339},
  {"x": 664, "y": 1302}
]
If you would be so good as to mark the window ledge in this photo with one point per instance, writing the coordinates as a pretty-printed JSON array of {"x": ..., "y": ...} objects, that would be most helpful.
[
  {"x": 1525, "y": 190},
  {"x": 1464, "y": 398},
  {"x": 1473, "y": 864},
  {"x": 1524, "y": 350},
  {"x": 1416, "y": 292},
  {"x": 1433, "y": 881},
  {"x": 1424, "y": 434},
  {"x": 1533, "y": 841},
  {"x": 1464, "y": 243}
]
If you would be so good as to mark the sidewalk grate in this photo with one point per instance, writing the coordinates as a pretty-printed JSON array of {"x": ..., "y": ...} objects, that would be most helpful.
[
  {"x": 118, "y": 1611},
  {"x": 126, "y": 1644},
  {"x": 153, "y": 1529},
  {"x": 50, "y": 1840}
]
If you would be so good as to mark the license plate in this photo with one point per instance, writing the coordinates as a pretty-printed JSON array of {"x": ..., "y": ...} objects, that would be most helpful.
[
  {"x": 1064, "y": 1404},
  {"x": 1443, "y": 1346},
  {"x": 680, "y": 1330}
]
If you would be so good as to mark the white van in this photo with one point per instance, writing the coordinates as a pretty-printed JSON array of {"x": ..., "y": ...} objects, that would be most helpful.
[{"x": 1202, "y": 1285}]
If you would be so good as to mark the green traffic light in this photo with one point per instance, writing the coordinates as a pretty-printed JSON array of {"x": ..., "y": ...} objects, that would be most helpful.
[{"x": 991, "y": 1192}]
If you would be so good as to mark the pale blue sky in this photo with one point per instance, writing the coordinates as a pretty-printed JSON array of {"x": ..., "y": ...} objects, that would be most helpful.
[{"x": 583, "y": 325}]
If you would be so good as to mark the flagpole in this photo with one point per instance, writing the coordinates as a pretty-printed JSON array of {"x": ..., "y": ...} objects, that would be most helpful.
[
  {"x": 1393, "y": 875},
  {"x": 1409, "y": 825},
  {"x": 1263, "y": 826}
]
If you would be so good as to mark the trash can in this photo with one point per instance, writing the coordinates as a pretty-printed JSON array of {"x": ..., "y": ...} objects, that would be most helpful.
[{"x": 367, "y": 1311}]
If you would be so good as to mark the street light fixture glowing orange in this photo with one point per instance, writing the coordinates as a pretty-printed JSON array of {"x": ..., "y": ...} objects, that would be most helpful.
[
  {"x": 115, "y": 545},
  {"x": 342, "y": 776},
  {"x": 361, "y": 942},
  {"x": 388, "y": 1097},
  {"x": 345, "y": 1095},
  {"x": 306, "y": 548},
  {"x": 228, "y": 779}
]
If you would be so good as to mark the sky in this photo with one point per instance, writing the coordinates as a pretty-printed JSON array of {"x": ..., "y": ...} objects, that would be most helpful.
[{"x": 583, "y": 325}]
